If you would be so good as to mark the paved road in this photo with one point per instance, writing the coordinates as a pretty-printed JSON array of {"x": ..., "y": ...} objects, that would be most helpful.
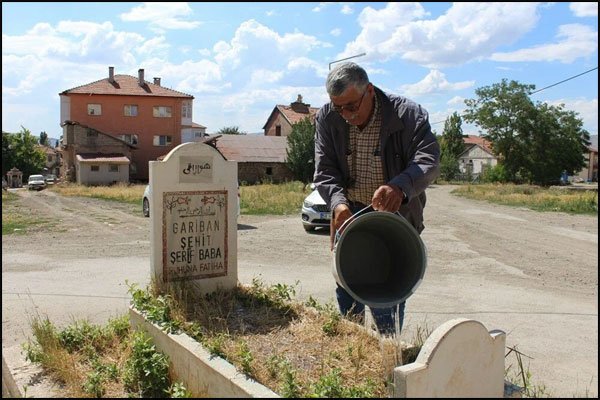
[{"x": 533, "y": 275}]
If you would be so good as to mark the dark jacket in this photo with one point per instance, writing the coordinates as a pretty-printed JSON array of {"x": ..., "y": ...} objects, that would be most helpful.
[{"x": 409, "y": 151}]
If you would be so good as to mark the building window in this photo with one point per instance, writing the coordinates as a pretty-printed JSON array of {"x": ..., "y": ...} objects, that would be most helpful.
[
  {"x": 269, "y": 171},
  {"x": 50, "y": 158},
  {"x": 130, "y": 110},
  {"x": 198, "y": 134},
  {"x": 186, "y": 109},
  {"x": 94, "y": 109},
  {"x": 95, "y": 168},
  {"x": 113, "y": 168},
  {"x": 278, "y": 130},
  {"x": 162, "y": 140},
  {"x": 130, "y": 138},
  {"x": 161, "y": 111}
]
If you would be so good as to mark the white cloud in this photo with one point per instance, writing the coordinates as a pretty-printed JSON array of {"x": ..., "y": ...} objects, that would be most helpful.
[
  {"x": 584, "y": 9},
  {"x": 336, "y": 32},
  {"x": 456, "y": 100},
  {"x": 271, "y": 13},
  {"x": 253, "y": 43},
  {"x": 468, "y": 31},
  {"x": 204, "y": 52},
  {"x": 303, "y": 63},
  {"x": 321, "y": 6},
  {"x": 162, "y": 15},
  {"x": 587, "y": 111},
  {"x": 189, "y": 76},
  {"x": 346, "y": 9},
  {"x": 434, "y": 82},
  {"x": 574, "y": 41},
  {"x": 262, "y": 76}
]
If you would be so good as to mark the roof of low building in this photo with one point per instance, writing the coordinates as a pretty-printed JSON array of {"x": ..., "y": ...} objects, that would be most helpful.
[
  {"x": 115, "y": 158},
  {"x": 252, "y": 148}
]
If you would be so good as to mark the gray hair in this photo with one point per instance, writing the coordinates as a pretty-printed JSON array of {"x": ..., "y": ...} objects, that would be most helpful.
[{"x": 345, "y": 75}]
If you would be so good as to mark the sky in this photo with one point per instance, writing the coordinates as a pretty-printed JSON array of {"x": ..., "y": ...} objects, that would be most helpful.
[{"x": 239, "y": 60}]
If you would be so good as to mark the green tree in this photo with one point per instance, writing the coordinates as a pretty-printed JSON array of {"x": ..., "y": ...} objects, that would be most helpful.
[
  {"x": 301, "y": 150},
  {"x": 451, "y": 146},
  {"x": 19, "y": 150},
  {"x": 44, "y": 138},
  {"x": 230, "y": 130},
  {"x": 533, "y": 142}
]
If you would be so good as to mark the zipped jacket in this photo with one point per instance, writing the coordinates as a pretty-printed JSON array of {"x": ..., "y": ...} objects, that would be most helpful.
[{"x": 409, "y": 152}]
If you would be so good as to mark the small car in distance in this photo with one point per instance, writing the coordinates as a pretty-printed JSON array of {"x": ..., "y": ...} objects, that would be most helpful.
[
  {"x": 315, "y": 213},
  {"x": 36, "y": 182},
  {"x": 50, "y": 179}
]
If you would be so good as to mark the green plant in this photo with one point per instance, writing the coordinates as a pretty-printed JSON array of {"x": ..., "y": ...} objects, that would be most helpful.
[
  {"x": 146, "y": 371},
  {"x": 522, "y": 377},
  {"x": 178, "y": 390},
  {"x": 245, "y": 358}
]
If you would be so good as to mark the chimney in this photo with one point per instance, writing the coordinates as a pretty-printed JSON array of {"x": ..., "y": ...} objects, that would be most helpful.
[
  {"x": 141, "y": 77},
  {"x": 157, "y": 81},
  {"x": 299, "y": 107},
  {"x": 111, "y": 74}
]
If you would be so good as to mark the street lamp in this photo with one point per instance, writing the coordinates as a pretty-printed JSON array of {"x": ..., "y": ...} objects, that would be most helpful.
[{"x": 347, "y": 58}]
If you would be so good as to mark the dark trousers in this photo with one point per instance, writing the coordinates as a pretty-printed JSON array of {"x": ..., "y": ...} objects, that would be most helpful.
[{"x": 385, "y": 318}]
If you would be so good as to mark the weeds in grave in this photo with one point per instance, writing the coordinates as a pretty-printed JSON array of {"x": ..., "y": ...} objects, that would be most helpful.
[
  {"x": 295, "y": 349},
  {"x": 93, "y": 361},
  {"x": 522, "y": 376}
]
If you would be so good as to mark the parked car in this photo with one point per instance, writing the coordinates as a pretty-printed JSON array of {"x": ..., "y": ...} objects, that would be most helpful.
[
  {"x": 315, "y": 212},
  {"x": 148, "y": 193},
  {"x": 50, "y": 179},
  {"x": 36, "y": 182}
]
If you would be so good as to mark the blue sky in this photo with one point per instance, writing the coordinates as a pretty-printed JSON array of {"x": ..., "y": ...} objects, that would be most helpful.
[{"x": 239, "y": 60}]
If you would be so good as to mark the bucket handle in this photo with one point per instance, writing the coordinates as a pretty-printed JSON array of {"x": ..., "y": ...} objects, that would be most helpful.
[{"x": 352, "y": 217}]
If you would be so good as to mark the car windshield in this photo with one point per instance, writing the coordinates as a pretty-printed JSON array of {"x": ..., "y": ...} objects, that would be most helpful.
[{"x": 36, "y": 178}]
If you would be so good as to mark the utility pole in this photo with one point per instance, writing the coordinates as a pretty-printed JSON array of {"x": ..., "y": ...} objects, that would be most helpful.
[{"x": 347, "y": 58}]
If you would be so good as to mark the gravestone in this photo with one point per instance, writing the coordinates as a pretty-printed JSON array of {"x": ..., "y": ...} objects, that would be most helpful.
[{"x": 193, "y": 218}]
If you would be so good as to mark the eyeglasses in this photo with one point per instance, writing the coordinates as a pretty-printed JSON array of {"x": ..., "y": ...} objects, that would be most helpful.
[{"x": 349, "y": 107}]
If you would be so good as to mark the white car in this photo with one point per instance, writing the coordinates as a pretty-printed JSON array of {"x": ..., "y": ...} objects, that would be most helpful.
[
  {"x": 36, "y": 182},
  {"x": 315, "y": 213}
]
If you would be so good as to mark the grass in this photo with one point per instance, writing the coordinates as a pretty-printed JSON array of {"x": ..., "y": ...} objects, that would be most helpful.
[
  {"x": 18, "y": 220},
  {"x": 121, "y": 192},
  {"x": 295, "y": 349},
  {"x": 92, "y": 361},
  {"x": 533, "y": 197}
]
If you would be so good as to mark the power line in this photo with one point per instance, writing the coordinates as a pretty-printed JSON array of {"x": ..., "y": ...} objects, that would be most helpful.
[{"x": 547, "y": 87}]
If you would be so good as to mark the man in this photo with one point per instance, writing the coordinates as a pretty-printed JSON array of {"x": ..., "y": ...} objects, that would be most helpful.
[{"x": 372, "y": 148}]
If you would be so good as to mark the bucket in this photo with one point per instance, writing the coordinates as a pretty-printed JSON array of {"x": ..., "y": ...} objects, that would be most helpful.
[{"x": 379, "y": 258}]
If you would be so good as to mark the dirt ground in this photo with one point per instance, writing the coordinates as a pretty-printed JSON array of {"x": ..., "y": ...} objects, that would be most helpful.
[{"x": 533, "y": 275}]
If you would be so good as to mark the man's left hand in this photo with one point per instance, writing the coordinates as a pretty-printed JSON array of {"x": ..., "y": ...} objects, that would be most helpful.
[{"x": 387, "y": 198}]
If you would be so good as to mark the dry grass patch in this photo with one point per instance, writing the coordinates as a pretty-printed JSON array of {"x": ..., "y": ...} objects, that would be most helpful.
[{"x": 294, "y": 349}]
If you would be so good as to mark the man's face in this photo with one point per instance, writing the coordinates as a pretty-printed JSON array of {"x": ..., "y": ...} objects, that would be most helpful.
[{"x": 354, "y": 105}]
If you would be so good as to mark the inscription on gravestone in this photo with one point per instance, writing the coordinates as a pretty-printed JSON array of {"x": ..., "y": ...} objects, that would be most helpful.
[{"x": 194, "y": 234}]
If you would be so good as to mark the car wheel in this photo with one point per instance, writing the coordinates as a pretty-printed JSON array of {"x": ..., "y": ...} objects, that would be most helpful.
[
  {"x": 308, "y": 228},
  {"x": 146, "y": 207}
]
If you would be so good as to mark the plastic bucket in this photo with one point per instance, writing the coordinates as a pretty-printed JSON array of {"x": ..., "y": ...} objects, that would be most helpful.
[{"x": 379, "y": 258}]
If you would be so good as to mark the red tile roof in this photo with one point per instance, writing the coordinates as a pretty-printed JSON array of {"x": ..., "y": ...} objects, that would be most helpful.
[
  {"x": 474, "y": 139},
  {"x": 126, "y": 85},
  {"x": 252, "y": 148},
  {"x": 293, "y": 116}
]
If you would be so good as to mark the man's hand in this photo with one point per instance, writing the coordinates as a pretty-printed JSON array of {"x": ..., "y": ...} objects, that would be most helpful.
[
  {"x": 340, "y": 215},
  {"x": 387, "y": 198}
]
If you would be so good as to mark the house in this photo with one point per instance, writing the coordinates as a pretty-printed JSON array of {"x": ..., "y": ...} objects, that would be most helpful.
[
  {"x": 92, "y": 157},
  {"x": 477, "y": 155},
  {"x": 259, "y": 158},
  {"x": 590, "y": 172},
  {"x": 153, "y": 118},
  {"x": 283, "y": 117},
  {"x": 53, "y": 160}
]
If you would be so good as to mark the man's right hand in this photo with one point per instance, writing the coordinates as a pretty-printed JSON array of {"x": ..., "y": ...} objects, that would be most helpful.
[{"x": 340, "y": 215}]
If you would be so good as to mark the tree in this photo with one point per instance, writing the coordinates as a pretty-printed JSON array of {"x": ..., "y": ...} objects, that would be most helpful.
[
  {"x": 19, "y": 150},
  {"x": 301, "y": 150},
  {"x": 451, "y": 146},
  {"x": 44, "y": 138},
  {"x": 230, "y": 130},
  {"x": 532, "y": 141}
]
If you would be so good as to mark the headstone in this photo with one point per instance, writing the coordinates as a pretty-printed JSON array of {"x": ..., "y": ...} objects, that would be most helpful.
[
  {"x": 193, "y": 218},
  {"x": 459, "y": 359}
]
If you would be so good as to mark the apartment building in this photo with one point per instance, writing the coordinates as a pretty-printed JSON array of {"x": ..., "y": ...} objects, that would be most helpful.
[{"x": 151, "y": 118}]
